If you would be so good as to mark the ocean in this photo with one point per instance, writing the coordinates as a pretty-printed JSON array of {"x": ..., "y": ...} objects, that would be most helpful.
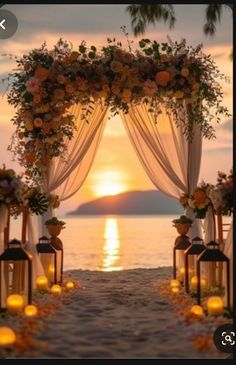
[{"x": 108, "y": 243}]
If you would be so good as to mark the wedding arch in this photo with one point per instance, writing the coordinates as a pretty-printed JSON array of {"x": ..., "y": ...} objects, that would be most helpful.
[{"x": 166, "y": 94}]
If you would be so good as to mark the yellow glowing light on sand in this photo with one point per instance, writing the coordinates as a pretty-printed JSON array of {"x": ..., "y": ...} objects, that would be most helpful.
[
  {"x": 56, "y": 289},
  {"x": 15, "y": 303},
  {"x": 70, "y": 285},
  {"x": 197, "y": 310},
  {"x": 175, "y": 290},
  {"x": 31, "y": 311},
  {"x": 7, "y": 336}
]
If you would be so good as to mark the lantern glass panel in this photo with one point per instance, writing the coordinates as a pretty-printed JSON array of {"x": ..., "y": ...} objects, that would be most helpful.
[
  {"x": 15, "y": 274},
  {"x": 48, "y": 258},
  {"x": 58, "y": 246},
  {"x": 181, "y": 244}
]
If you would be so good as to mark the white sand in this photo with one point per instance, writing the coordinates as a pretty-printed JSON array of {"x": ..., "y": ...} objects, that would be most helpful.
[{"x": 119, "y": 315}]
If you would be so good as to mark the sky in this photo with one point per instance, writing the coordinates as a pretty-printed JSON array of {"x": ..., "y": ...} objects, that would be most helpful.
[{"x": 116, "y": 167}]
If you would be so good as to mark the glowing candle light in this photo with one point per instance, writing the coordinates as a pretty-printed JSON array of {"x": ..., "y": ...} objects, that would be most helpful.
[
  {"x": 42, "y": 283},
  {"x": 194, "y": 283},
  {"x": 175, "y": 290},
  {"x": 215, "y": 306},
  {"x": 31, "y": 311},
  {"x": 182, "y": 273},
  {"x": 7, "y": 336},
  {"x": 197, "y": 309},
  {"x": 51, "y": 272},
  {"x": 175, "y": 283},
  {"x": 56, "y": 289},
  {"x": 15, "y": 304},
  {"x": 70, "y": 285}
]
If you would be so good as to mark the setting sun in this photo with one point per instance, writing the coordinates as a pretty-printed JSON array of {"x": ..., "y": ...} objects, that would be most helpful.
[{"x": 109, "y": 183}]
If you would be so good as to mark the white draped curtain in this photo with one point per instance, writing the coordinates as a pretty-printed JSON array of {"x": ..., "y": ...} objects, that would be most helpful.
[
  {"x": 66, "y": 174},
  {"x": 169, "y": 159}
]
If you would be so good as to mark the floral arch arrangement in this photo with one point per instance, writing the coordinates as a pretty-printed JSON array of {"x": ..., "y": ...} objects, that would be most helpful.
[{"x": 48, "y": 82}]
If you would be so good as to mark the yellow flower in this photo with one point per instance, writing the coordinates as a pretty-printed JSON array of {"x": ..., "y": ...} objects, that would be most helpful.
[
  {"x": 184, "y": 72},
  {"x": 178, "y": 94}
]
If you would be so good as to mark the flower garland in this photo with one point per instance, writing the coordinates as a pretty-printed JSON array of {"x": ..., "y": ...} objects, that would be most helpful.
[
  {"x": 10, "y": 187},
  {"x": 48, "y": 82}
]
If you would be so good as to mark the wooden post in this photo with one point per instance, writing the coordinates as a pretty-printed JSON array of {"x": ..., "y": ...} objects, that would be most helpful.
[{"x": 25, "y": 215}]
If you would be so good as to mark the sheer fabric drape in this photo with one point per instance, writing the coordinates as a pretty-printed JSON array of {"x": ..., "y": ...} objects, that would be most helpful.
[
  {"x": 66, "y": 174},
  {"x": 171, "y": 162}
]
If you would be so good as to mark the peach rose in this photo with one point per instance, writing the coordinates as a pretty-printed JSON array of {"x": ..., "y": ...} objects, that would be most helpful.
[
  {"x": 41, "y": 73},
  {"x": 32, "y": 85},
  {"x": 38, "y": 122},
  {"x": 162, "y": 78},
  {"x": 199, "y": 196},
  {"x": 149, "y": 87}
]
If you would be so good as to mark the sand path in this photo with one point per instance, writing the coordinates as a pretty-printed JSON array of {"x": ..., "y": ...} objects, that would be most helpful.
[{"x": 119, "y": 315}]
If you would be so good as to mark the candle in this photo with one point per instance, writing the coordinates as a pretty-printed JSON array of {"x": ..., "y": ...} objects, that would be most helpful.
[
  {"x": 194, "y": 283},
  {"x": 175, "y": 290},
  {"x": 197, "y": 309},
  {"x": 175, "y": 283},
  {"x": 182, "y": 273},
  {"x": 42, "y": 283},
  {"x": 51, "y": 272},
  {"x": 7, "y": 336},
  {"x": 31, "y": 311},
  {"x": 56, "y": 289},
  {"x": 215, "y": 306},
  {"x": 70, "y": 285},
  {"x": 15, "y": 303}
]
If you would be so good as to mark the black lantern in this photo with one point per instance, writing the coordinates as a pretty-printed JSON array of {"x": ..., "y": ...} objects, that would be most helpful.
[
  {"x": 191, "y": 254},
  {"x": 181, "y": 244},
  {"x": 15, "y": 273},
  {"x": 211, "y": 260},
  {"x": 48, "y": 257},
  {"x": 58, "y": 246}
]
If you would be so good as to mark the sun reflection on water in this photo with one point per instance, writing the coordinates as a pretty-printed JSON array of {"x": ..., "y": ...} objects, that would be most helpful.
[{"x": 111, "y": 248}]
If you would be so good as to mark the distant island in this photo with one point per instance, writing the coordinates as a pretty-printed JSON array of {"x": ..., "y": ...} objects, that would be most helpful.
[{"x": 131, "y": 203}]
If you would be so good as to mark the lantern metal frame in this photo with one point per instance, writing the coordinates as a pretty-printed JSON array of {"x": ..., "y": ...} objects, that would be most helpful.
[
  {"x": 213, "y": 255},
  {"x": 58, "y": 246},
  {"x": 182, "y": 244},
  {"x": 16, "y": 254},
  {"x": 194, "y": 250},
  {"x": 47, "y": 248}
]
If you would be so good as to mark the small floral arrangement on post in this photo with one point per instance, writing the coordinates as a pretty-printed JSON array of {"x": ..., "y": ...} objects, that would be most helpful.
[
  {"x": 183, "y": 220},
  {"x": 221, "y": 194},
  {"x": 55, "y": 222},
  {"x": 199, "y": 201}
]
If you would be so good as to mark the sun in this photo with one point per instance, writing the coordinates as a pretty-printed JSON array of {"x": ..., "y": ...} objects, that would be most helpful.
[{"x": 109, "y": 183}]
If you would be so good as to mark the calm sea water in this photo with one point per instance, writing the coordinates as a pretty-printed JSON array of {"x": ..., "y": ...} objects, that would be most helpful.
[
  {"x": 118, "y": 242},
  {"x": 109, "y": 243}
]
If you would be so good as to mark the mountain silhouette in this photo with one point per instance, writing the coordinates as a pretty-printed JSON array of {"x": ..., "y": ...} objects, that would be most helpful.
[{"x": 131, "y": 203}]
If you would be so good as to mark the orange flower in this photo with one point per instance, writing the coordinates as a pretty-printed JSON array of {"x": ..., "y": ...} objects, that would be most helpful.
[
  {"x": 29, "y": 126},
  {"x": 59, "y": 94},
  {"x": 37, "y": 98},
  {"x": 162, "y": 78},
  {"x": 70, "y": 88},
  {"x": 178, "y": 94},
  {"x": 26, "y": 66},
  {"x": 74, "y": 56},
  {"x": 199, "y": 196},
  {"x": 41, "y": 73},
  {"x": 183, "y": 200},
  {"x": 27, "y": 116},
  {"x": 61, "y": 79},
  {"x": 38, "y": 122}
]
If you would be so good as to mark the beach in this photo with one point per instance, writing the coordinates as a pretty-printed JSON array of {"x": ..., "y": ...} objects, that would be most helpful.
[{"x": 118, "y": 314}]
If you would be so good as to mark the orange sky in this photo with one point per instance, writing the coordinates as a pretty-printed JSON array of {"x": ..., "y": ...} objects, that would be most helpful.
[{"x": 116, "y": 167}]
